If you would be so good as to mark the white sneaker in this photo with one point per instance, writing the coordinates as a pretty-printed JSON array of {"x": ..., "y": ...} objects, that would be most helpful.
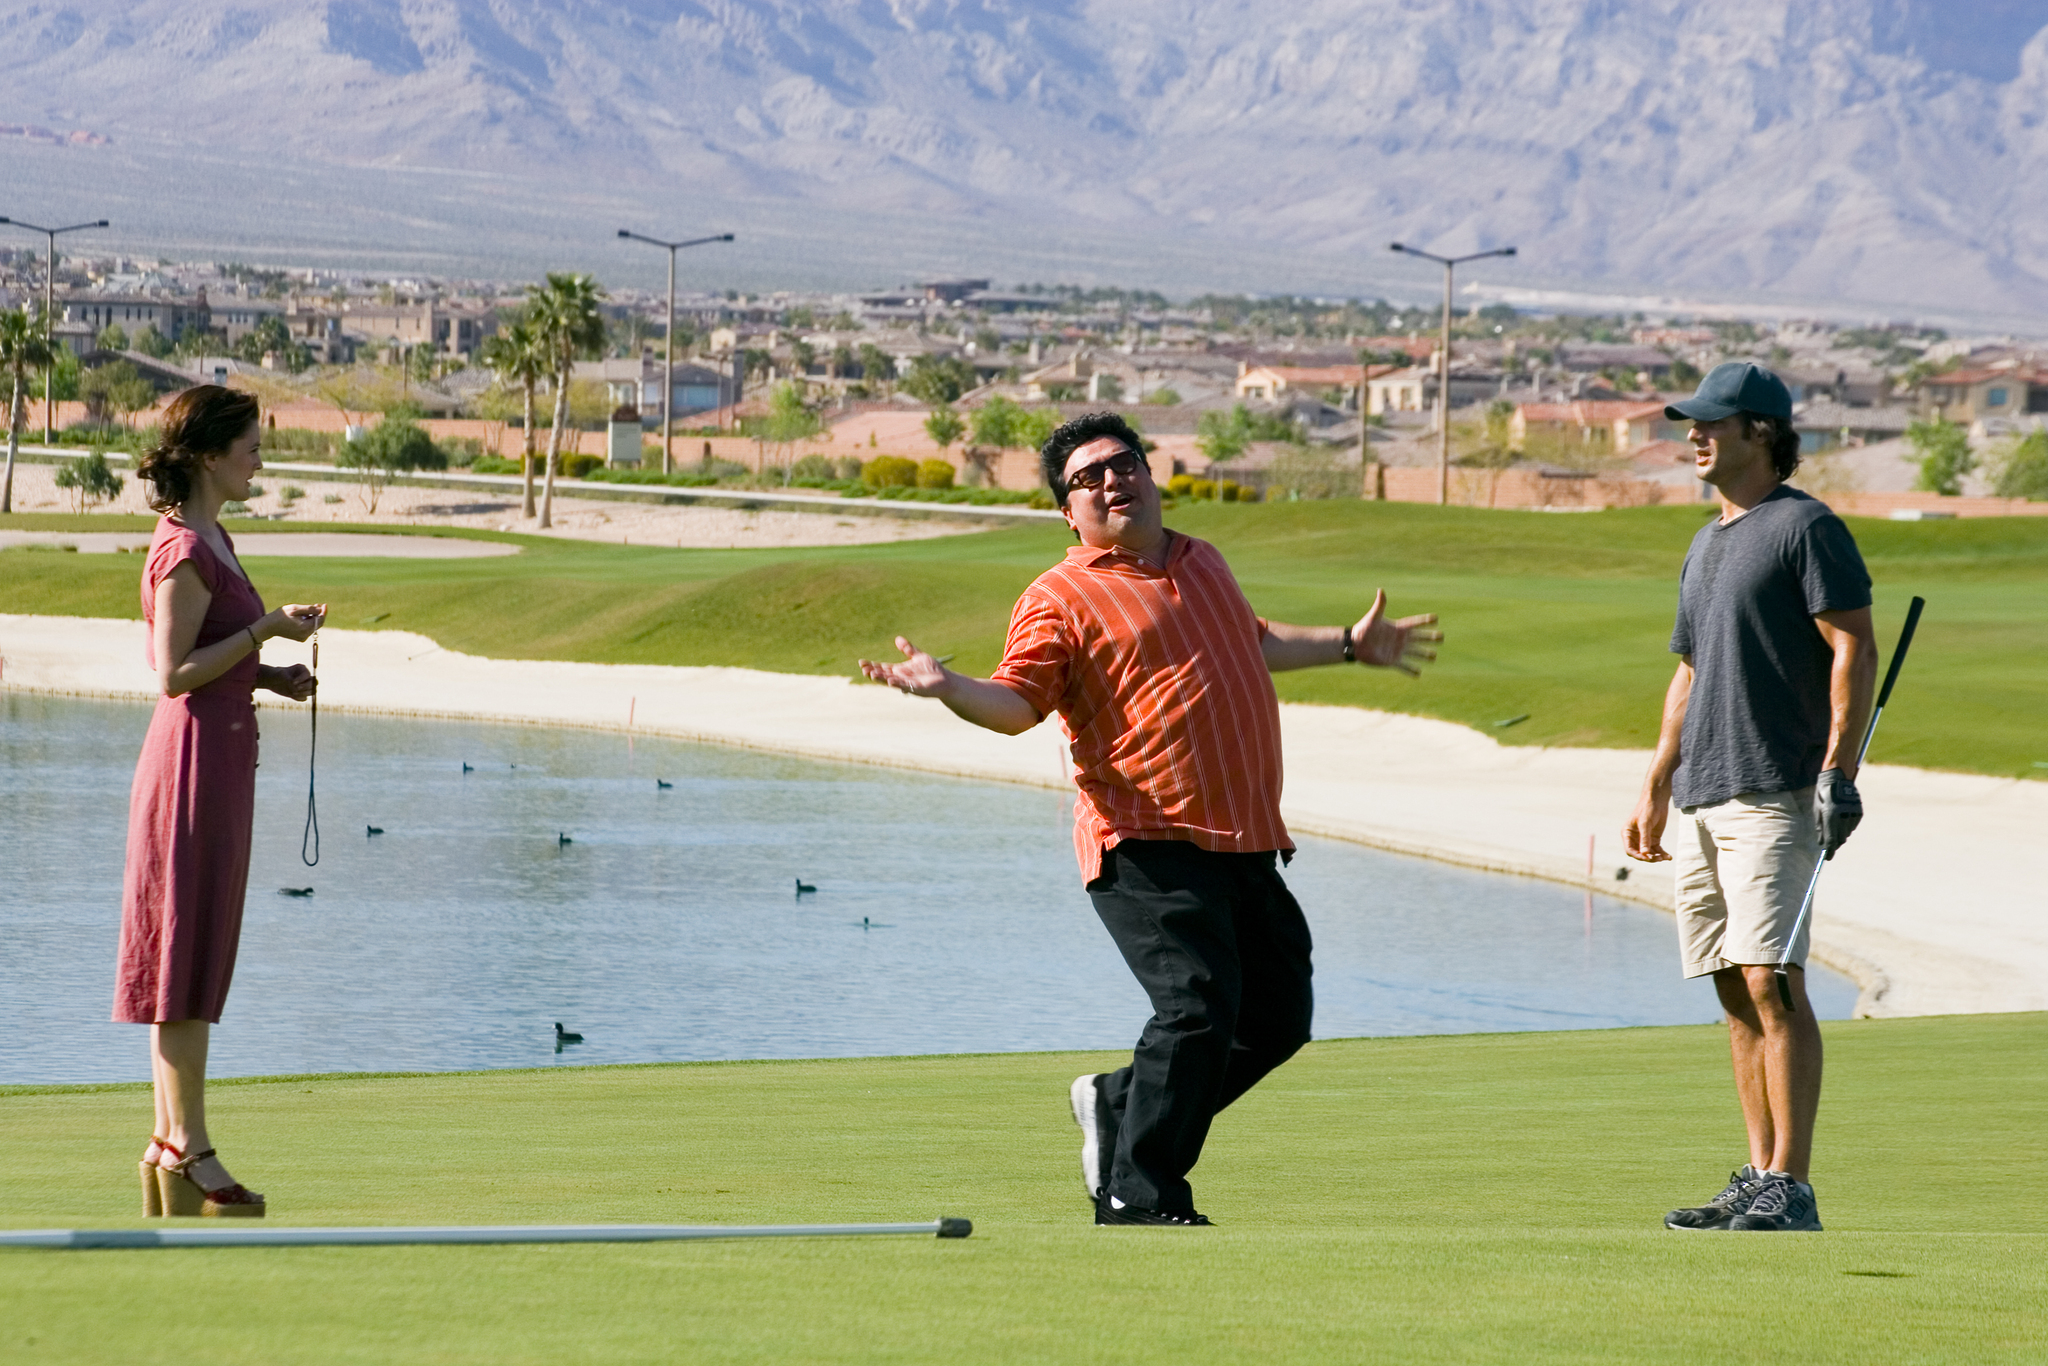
[{"x": 1098, "y": 1139}]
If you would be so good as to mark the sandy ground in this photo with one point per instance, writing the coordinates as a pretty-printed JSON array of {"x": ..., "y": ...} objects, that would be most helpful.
[
  {"x": 1934, "y": 907},
  {"x": 627, "y": 523},
  {"x": 349, "y": 544}
]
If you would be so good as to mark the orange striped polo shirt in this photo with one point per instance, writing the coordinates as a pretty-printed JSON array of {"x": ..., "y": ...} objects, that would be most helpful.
[{"x": 1169, "y": 709}]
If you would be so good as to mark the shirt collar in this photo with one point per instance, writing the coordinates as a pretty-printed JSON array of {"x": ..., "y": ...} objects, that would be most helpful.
[{"x": 1116, "y": 557}]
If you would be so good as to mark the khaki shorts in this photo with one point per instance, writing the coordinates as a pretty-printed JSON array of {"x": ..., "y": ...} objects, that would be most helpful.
[{"x": 1742, "y": 870}]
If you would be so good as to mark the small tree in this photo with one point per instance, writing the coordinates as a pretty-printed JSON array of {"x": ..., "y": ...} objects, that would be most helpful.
[
  {"x": 516, "y": 356},
  {"x": 789, "y": 421},
  {"x": 876, "y": 368},
  {"x": 2023, "y": 468},
  {"x": 938, "y": 379},
  {"x": 22, "y": 347},
  {"x": 999, "y": 423},
  {"x": 151, "y": 342},
  {"x": 943, "y": 426},
  {"x": 114, "y": 388},
  {"x": 393, "y": 445},
  {"x": 90, "y": 479},
  {"x": 112, "y": 337},
  {"x": 1943, "y": 449}
]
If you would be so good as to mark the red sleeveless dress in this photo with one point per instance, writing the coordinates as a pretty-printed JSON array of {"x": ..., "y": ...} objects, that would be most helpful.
[{"x": 190, "y": 810}]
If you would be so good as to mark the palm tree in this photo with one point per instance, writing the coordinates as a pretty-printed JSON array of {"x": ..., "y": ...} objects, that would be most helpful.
[
  {"x": 22, "y": 347},
  {"x": 569, "y": 325},
  {"x": 516, "y": 356}
]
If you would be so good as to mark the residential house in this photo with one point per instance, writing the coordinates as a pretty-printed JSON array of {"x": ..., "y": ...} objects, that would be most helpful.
[
  {"x": 1973, "y": 394},
  {"x": 453, "y": 327},
  {"x": 1273, "y": 381},
  {"x": 1644, "y": 424},
  {"x": 1619, "y": 425},
  {"x": 701, "y": 385},
  {"x": 1826, "y": 426},
  {"x": 1412, "y": 389},
  {"x": 171, "y": 315}
]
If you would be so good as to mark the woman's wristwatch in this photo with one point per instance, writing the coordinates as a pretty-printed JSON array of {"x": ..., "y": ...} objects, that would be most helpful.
[{"x": 1350, "y": 654}]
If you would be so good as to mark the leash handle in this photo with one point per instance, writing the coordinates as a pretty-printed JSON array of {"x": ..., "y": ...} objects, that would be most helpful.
[{"x": 311, "y": 837}]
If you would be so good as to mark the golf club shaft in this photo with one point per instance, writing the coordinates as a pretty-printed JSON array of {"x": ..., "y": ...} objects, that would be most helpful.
[
  {"x": 226, "y": 1235},
  {"x": 1891, "y": 677}
]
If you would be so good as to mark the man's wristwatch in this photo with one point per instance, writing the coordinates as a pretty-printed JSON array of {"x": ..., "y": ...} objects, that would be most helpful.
[{"x": 1350, "y": 654}]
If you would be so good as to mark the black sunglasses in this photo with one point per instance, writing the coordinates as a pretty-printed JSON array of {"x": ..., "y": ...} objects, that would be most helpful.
[{"x": 1125, "y": 463}]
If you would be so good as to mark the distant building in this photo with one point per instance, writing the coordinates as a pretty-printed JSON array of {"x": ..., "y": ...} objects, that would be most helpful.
[
  {"x": 701, "y": 386},
  {"x": 1272, "y": 381},
  {"x": 1971, "y": 395},
  {"x": 172, "y": 316},
  {"x": 1621, "y": 425}
]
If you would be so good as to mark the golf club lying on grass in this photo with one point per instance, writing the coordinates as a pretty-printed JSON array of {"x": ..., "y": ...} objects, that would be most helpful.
[
  {"x": 483, "y": 1233},
  {"x": 1891, "y": 676}
]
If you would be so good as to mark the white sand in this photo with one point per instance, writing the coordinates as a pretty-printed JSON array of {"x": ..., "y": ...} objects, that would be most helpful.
[
  {"x": 583, "y": 519},
  {"x": 1935, "y": 907}
]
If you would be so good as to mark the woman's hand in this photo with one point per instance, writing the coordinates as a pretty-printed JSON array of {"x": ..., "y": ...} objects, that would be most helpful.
[
  {"x": 294, "y": 621},
  {"x": 294, "y": 681}
]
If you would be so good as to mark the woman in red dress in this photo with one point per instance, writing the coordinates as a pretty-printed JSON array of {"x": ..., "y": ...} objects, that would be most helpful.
[{"x": 193, "y": 802}]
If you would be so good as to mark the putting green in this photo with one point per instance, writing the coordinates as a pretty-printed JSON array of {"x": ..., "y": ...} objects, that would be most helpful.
[
  {"x": 1564, "y": 619},
  {"x": 1473, "y": 1198}
]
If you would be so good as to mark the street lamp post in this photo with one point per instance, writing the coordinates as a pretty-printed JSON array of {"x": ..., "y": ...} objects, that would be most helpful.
[
  {"x": 1443, "y": 361},
  {"x": 668, "y": 346},
  {"x": 49, "y": 317}
]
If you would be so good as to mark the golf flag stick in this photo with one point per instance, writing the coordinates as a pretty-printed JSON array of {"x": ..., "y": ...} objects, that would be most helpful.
[{"x": 1891, "y": 676}]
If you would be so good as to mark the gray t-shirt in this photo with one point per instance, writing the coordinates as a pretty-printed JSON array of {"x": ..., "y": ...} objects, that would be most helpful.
[{"x": 1758, "y": 717}]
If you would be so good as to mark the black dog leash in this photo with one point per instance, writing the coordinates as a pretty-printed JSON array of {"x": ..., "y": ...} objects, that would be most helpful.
[{"x": 312, "y": 834}]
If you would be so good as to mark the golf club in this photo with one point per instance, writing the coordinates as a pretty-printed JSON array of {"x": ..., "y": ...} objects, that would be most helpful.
[
  {"x": 1891, "y": 676},
  {"x": 310, "y": 839},
  {"x": 68, "y": 1238}
]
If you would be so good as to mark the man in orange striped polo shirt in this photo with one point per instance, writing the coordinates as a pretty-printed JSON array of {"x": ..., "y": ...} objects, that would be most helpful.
[{"x": 1145, "y": 646}]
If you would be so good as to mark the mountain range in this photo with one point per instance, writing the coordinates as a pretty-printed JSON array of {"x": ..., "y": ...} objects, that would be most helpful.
[{"x": 1869, "y": 156}]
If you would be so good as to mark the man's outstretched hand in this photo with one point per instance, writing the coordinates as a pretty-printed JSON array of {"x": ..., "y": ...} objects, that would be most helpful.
[
  {"x": 1399, "y": 644},
  {"x": 983, "y": 701},
  {"x": 919, "y": 674}
]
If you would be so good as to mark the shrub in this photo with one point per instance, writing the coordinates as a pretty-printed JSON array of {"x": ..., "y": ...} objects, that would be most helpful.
[
  {"x": 331, "y": 498},
  {"x": 812, "y": 467},
  {"x": 289, "y": 494},
  {"x": 396, "y": 443},
  {"x": 491, "y": 464},
  {"x": 847, "y": 467},
  {"x": 889, "y": 472},
  {"x": 1943, "y": 449},
  {"x": 234, "y": 508},
  {"x": 2023, "y": 469},
  {"x": 934, "y": 474},
  {"x": 1181, "y": 485},
  {"x": 89, "y": 477},
  {"x": 1201, "y": 488},
  {"x": 1228, "y": 491},
  {"x": 578, "y": 464},
  {"x": 463, "y": 451}
]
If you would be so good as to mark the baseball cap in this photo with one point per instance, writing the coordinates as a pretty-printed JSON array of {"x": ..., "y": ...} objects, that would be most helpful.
[{"x": 1739, "y": 386}]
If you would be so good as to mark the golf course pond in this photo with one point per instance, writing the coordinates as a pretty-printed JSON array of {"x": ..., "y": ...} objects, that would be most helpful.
[{"x": 643, "y": 892}]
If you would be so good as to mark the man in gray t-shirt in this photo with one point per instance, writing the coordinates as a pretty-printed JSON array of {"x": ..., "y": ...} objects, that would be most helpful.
[{"x": 1758, "y": 751}]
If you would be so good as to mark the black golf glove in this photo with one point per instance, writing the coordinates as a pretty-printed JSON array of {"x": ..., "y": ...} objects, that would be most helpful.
[{"x": 1837, "y": 809}]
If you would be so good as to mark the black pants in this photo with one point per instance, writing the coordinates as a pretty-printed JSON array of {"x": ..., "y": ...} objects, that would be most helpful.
[{"x": 1220, "y": 945}]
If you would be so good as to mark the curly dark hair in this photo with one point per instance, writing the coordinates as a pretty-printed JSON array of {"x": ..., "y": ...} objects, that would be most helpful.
[
  {"x": 1069, "y": 437},
  {"x": 1782, "y": 436},
  {"x": 204, "y": 420}
]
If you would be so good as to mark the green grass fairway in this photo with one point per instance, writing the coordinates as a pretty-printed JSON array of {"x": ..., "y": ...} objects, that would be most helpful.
[
  {"x": 1564, "y": 618},
  {"x": 1487, "y": 1198}
]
